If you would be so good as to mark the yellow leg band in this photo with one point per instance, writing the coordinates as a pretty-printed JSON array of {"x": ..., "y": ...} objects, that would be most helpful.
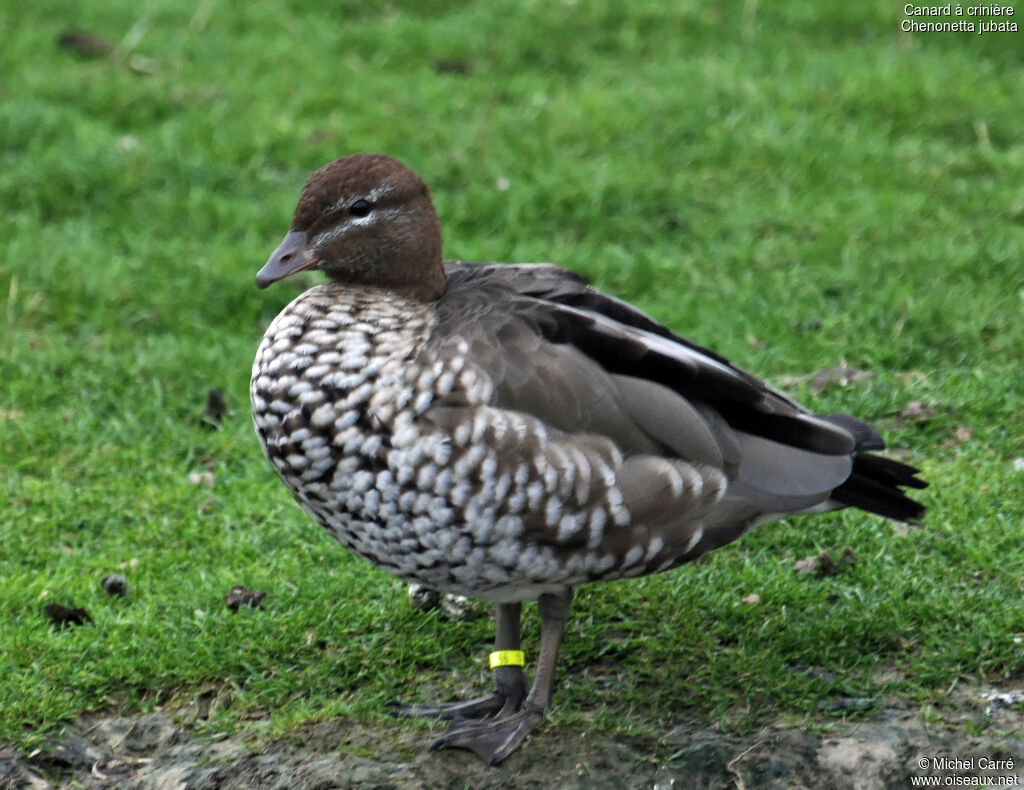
[{"x": 508, "y": 658}]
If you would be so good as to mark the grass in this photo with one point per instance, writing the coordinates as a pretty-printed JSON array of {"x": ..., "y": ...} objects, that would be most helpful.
[{"x": 791, "y": 185}]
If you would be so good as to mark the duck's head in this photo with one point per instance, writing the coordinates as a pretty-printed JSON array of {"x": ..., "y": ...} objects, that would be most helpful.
[{"x": 364, "y": 219}]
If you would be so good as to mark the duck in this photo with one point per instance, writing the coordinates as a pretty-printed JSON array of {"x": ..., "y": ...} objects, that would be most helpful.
[{"x": 509, "y": 432}]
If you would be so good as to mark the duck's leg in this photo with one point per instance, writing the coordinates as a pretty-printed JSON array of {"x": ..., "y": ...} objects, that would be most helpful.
[
  {"x": 495, "y": 739},
  {"x": 510, "y": 684}
]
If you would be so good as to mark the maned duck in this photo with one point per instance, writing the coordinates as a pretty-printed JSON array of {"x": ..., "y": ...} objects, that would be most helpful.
[{"x": 509, "y": 432}]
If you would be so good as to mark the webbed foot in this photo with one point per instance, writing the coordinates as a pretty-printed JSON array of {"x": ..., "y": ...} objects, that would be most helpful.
[
  {"x": 494, "y": 726},
  {"x": 510, "y": 689},
  {"x": 494, "y": 739}
]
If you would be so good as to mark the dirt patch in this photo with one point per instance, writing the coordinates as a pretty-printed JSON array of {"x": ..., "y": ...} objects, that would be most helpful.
[{"x": 156, "y": 752}]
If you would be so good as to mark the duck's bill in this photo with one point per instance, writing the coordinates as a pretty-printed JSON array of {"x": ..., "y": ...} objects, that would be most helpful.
[{"x": 292, "y": 256}]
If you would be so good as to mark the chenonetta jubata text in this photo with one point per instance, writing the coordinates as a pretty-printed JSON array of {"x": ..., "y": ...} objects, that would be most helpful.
[{"x": 508, "y": 432}]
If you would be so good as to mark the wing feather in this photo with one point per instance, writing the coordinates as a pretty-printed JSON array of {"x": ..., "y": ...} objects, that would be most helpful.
[{"x": 584, "y": 362}]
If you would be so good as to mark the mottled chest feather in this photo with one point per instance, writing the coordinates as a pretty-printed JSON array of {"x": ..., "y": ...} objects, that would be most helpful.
[
  {"x": 335, "y": 377},
  {"x": 387, "y": 432},
  {"x": 339, "y": 387},
  {"x": 334, "y": 355}
]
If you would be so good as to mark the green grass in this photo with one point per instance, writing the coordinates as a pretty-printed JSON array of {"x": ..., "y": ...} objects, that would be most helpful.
[{"x": 789, "y": 184}]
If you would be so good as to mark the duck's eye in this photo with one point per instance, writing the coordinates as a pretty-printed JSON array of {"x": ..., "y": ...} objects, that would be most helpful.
[{"x": 360, "y": 208}]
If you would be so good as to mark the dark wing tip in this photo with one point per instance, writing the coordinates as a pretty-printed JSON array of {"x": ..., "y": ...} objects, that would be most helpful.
[{"x": 865, "y": 436}]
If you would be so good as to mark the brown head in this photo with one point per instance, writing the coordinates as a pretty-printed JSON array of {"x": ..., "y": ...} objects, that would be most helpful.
[{"x": 364, "y": 219}]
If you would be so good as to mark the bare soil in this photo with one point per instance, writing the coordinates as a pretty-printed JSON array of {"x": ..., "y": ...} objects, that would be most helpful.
[{"x": 157, "y": 751}]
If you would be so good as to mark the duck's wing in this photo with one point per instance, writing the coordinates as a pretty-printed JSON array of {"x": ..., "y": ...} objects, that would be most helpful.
[
  {"x": 626, "y": 341},
  {"x": 585, "y": 362}
]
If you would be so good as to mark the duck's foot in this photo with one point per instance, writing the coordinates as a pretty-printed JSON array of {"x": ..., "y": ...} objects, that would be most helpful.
[
  {"x": 492, "y": 740},
  {"x": 510, "y": 689},
  {"x": 494, "y": 726}
]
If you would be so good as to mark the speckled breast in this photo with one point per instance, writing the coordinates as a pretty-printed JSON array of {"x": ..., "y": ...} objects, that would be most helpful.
[
  {"x": 332, "y": 382},
  {"x": 387, "y": 438},
  {"x": 338, "y": 385}
]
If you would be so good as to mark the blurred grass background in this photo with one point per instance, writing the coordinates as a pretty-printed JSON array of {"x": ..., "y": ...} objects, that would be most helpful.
[{"x": 792, "y": 185}]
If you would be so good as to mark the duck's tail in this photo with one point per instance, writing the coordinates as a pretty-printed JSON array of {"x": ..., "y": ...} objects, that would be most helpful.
[{"x": 876, "y": 483}]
